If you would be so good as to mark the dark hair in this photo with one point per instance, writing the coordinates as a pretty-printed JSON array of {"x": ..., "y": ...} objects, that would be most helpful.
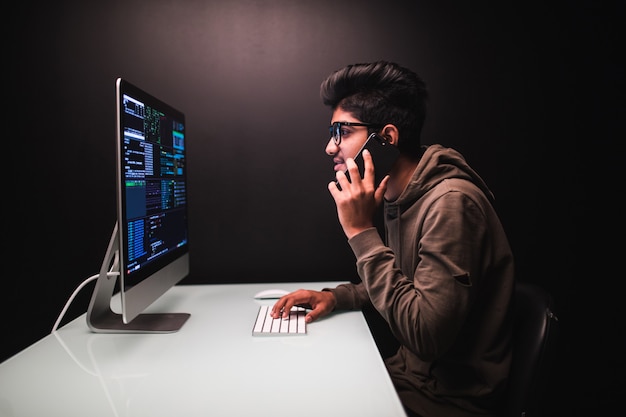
[{"x": 381, "y": 93}]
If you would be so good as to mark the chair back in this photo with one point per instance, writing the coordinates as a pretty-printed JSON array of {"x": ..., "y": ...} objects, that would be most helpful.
[{"x": 534, "y": 341}]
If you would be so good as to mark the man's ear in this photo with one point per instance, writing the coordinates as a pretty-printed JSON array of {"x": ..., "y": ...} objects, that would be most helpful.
[{"x": 390, "y": 132}]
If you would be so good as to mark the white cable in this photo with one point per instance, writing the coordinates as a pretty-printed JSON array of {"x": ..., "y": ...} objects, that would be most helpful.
[{"x": 76, "y": 291}]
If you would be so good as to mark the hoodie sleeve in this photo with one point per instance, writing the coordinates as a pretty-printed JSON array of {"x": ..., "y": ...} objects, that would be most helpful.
[
  {"x": 350, "y": 296},
  {"x": 427, "y": 310}
]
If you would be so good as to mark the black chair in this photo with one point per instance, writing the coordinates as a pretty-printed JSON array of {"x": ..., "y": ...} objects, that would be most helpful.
[{"x": 534, "y": 342}]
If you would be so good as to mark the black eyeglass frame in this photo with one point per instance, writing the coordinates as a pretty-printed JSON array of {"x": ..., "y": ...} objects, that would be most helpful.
[{"x": 335, "y": 129}]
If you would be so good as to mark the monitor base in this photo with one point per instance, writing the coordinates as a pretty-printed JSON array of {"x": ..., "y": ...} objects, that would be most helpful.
[{"x": 143, "y": 323}]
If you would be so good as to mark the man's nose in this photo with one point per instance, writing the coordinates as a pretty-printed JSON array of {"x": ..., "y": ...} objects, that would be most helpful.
[{"x": 331, "y": 147}]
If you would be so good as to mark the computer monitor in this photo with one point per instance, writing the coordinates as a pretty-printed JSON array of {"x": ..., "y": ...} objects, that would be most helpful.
[{"x": 149, "y": 249}]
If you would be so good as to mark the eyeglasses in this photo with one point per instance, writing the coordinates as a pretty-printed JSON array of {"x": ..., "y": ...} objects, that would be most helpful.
[{"x": 335, "y": 129}]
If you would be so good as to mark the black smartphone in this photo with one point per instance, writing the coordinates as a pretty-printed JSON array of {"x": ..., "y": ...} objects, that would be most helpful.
[{"x": 384, "y": 155}]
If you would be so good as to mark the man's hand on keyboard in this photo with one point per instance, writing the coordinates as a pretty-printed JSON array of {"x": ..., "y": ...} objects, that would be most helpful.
[{"x": 321, "y": 303}]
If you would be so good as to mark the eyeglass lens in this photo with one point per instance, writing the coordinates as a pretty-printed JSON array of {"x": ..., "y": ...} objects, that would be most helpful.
[{"x": 335, "y": 132}]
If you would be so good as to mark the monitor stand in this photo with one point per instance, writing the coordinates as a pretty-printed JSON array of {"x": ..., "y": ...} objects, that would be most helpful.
[{"x": 102, "y": 319}]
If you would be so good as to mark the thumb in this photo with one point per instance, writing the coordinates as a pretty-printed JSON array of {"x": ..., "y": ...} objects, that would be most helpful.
[{"x": 311, "y": 316}]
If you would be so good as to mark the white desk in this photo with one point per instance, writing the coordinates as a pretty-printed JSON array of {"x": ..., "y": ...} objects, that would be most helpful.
[{"x": 212, "y": 367}]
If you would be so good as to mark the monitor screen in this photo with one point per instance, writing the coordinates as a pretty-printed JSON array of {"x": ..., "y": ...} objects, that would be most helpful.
[{"x": 149, "y": 247}]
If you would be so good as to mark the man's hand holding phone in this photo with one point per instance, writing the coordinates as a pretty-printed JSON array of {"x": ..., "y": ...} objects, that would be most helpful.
[{"x": 358, "y": 198}]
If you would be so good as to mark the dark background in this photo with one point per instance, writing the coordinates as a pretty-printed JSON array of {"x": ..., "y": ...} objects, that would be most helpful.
[{"x": 531, "y": 93}]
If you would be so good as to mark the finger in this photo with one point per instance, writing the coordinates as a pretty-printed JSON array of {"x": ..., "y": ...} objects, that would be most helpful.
[
  {"x": 332, "y": 187},
  {"x": 380, "y": 191},
  {"x": 342, "y": 181},
  {"x": 319, "y": 310},
  {"x": 277, "y": 307},
  {"x": 311, "y": 316},
  {"x": 282, "y": 304},
  {"x": 368, "y": 163},
  {"x": 287, "y": 308},
  {"x": 353, "y": 169},
  {"x": 284, "y": 312}
]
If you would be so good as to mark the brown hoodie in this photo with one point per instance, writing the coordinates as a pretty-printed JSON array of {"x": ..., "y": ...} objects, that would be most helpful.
[{"x": 443, "y": 282}]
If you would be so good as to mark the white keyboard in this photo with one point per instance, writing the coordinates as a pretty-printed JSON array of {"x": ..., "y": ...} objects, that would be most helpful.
[{"x": 266, "y": 325}]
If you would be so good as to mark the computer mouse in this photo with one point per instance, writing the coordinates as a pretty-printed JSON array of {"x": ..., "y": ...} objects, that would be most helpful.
[{"x": 271, "y": 293}]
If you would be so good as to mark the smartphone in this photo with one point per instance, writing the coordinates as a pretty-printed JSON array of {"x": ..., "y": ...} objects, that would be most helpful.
[{"x": 384, "y": 155}]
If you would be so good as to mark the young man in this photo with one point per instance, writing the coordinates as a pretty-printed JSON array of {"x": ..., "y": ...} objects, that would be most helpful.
[{"x": 443, "y": 276}]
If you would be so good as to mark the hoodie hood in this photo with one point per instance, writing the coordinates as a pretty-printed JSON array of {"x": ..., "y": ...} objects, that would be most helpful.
[{"x": 438, "y": 163}]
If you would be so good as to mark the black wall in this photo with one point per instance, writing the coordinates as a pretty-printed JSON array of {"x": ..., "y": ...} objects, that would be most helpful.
[{"x": 532, "y": 94}]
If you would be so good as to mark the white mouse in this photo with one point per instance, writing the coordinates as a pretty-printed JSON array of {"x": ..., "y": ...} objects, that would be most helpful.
[{"x": 271, "y": 293}]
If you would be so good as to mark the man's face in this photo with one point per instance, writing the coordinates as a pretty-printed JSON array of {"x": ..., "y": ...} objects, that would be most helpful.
[{"x": 352, "y": 139}]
